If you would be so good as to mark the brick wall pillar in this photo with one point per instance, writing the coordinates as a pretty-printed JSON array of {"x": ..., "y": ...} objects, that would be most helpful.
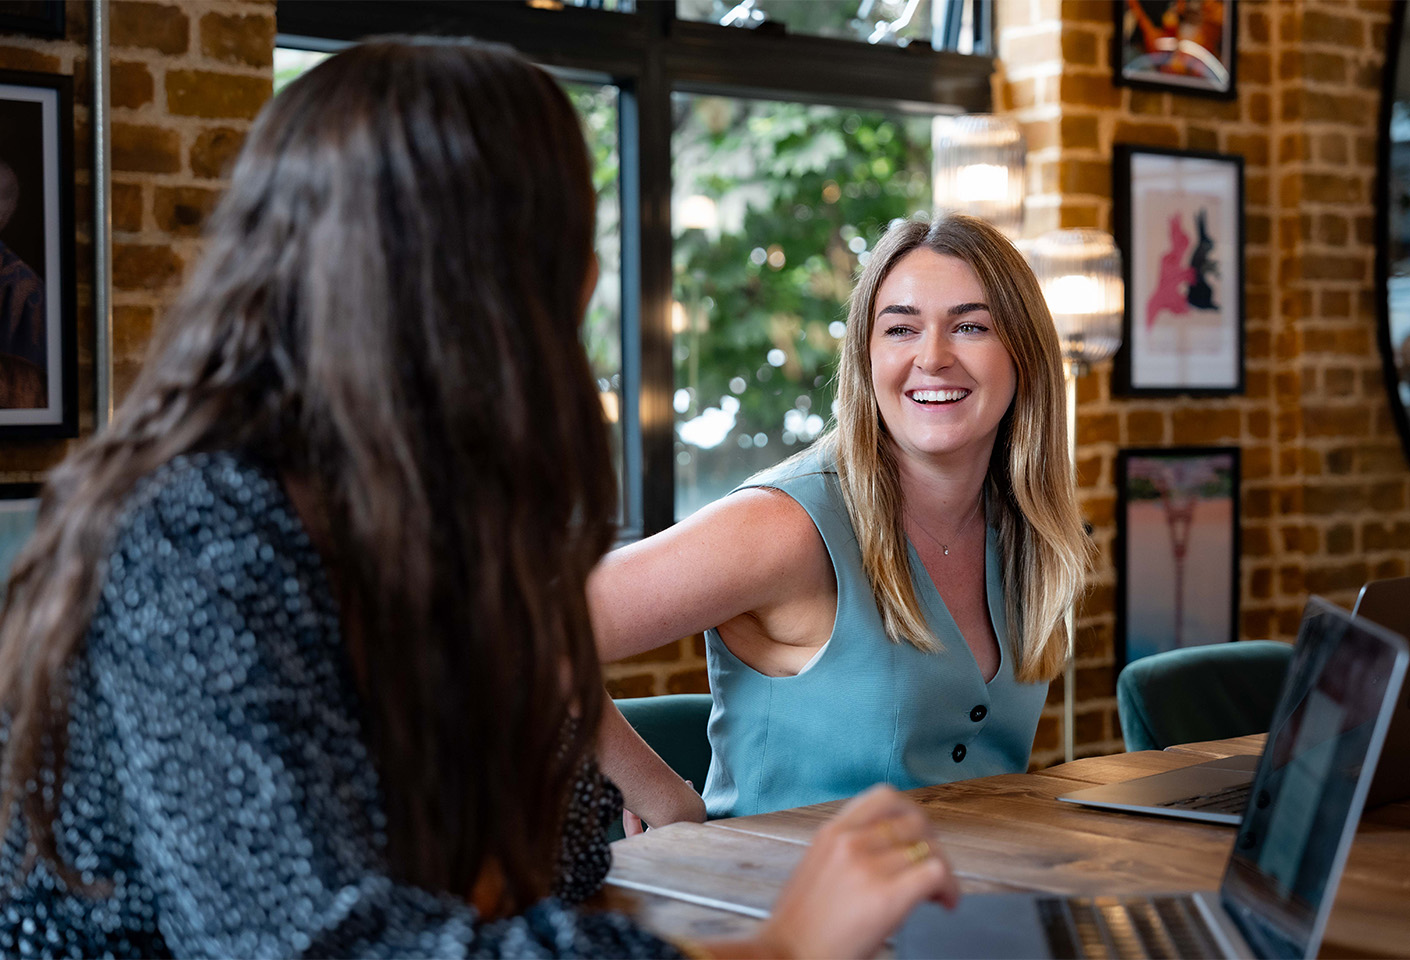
[{"x": 1324, "y": 487}]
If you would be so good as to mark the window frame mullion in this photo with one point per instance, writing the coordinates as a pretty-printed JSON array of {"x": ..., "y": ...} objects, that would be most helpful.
[{"x": 653, "y": 337}]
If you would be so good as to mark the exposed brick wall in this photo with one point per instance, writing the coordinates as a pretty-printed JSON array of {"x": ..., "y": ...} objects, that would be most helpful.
[
  {"x": 1324, "y": 491},
  {"x": 186, "y": 79}
]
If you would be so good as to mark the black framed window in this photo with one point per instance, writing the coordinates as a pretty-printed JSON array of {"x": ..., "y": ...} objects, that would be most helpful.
[{"x": 743, "y": 173}]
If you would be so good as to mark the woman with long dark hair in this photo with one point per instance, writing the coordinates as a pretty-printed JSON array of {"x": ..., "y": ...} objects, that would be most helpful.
[{"x": 298, "y": 660}]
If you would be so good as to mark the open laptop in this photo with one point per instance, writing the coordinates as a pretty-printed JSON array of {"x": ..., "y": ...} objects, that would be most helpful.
[
  {"x": 1282, "y": 874},
  {"x": 1217, "y": 791}
]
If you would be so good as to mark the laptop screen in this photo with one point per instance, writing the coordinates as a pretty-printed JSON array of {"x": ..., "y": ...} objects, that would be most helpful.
[{"x": 1308, "y": 789}]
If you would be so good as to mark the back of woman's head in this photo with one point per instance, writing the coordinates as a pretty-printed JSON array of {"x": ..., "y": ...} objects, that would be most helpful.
[{"x": 387, "y": 308}]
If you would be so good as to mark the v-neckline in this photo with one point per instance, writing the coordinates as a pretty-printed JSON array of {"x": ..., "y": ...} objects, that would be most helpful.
[{"x": 938, "y": 603}]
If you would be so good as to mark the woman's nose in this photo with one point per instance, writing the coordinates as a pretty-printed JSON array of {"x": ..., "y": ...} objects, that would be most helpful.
[{"x": 935, "y": 354}]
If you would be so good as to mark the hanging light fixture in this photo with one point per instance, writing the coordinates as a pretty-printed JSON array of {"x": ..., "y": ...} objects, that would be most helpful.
[
  {"x": 979, "y": 162},
  {"x": 1080, "y": 273}
]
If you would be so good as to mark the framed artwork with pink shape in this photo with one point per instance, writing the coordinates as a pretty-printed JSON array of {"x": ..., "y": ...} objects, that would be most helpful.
[{"x": 1179, "y": 218}]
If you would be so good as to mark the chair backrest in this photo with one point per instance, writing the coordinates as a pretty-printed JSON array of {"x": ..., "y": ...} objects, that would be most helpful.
[
  {"x": 1208, "y": 692},
  {"x": 19, "y": 509}
]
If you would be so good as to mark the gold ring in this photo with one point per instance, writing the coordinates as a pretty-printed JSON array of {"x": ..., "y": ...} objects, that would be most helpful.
[{"x": 918, "y": 851}]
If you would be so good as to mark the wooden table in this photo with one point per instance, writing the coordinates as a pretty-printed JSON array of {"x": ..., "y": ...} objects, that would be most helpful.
[{"x": 1008, "y": 833}]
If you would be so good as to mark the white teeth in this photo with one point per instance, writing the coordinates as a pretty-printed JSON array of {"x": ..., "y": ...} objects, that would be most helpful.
[{"x": 938, "y": 396}]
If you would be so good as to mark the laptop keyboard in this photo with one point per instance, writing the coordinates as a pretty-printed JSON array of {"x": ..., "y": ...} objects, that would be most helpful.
[
  {"x": 1122, "y": 927},
  {"x": 1229, "y": 800}
]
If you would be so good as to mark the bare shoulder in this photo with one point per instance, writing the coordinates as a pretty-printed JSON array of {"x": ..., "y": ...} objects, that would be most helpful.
[
  {"x": 768, "y": 510},
  {"x": 761, "y": 531}
]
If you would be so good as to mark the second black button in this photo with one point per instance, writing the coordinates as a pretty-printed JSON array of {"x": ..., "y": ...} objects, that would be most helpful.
[
  {"x": 959, "y": 752},
  {"x": 979, "y": 713}
]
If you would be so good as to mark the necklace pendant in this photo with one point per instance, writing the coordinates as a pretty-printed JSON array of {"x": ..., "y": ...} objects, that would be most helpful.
[{"x": 946, "y": 549}]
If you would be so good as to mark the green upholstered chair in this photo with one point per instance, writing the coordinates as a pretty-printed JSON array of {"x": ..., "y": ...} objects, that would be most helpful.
[
  {"x": 674, "y": 726},
  {"x": 1208, "y": 692}
]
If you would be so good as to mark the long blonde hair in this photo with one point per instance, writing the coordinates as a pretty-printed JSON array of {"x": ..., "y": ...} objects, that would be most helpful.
[{"x": 1030, "y": 489}]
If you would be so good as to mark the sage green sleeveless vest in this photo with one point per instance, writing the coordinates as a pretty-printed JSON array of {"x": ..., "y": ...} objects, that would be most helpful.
[{"x": 865, "y": 710}]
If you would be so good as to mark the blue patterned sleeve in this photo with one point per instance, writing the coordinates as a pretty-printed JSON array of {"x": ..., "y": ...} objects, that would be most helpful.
[{"x": 257, "y": 822}]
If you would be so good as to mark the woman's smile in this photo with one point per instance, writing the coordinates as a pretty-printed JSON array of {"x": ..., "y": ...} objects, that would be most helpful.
[{"x": 942, "y": 377}]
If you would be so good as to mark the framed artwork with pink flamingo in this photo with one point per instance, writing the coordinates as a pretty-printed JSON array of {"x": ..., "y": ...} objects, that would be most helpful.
[
  {"x": 1179, "y": 218},
  {"x": 1177, "y": 549}
]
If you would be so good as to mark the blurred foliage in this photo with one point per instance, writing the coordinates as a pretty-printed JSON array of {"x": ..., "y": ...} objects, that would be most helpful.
[
  {"x": 597, "y": 107},
  {"x": 802, "y": 192}
]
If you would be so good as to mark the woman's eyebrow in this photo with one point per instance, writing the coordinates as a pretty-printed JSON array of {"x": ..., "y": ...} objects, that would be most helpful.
[
  {"x": 901, "y": 308},
  {"x": 960, "y": 309}
]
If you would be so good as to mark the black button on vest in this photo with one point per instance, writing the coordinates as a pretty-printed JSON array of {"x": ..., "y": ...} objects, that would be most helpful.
[
  {"x": 959, "y": 752},
  {"x": 979, "y": 713}
]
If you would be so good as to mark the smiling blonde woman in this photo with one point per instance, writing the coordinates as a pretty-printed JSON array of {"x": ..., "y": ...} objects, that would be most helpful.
[{"x": 886, "y": 606}]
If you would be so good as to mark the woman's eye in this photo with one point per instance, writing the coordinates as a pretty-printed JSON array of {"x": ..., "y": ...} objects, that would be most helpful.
[
  {"x": 972, "y": 328},
  {"x": 898, "y": 330}
]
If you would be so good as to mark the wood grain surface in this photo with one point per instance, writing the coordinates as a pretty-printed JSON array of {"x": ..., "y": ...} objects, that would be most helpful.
[
  {"x": 673, "y": 918},
  {"x": 1010, "y": 833}
]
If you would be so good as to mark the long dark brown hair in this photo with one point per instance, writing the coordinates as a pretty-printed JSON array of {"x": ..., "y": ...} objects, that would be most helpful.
[{"x": 388, "y": 310}]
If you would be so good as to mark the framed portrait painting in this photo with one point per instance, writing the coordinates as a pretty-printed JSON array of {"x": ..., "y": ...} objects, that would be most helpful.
[
  {"x": 1177, "y": 549},
  {"x": 1180, "y": 225},
  {"x": 1183, "y": 46},
  {"x": 38, "y": 353}
]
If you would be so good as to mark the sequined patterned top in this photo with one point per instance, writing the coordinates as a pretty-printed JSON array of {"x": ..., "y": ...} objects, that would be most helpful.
[{"x": 217, "y": 779}]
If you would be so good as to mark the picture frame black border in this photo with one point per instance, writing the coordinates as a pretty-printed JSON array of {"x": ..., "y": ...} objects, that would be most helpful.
[
  {"x": 20, "y": 491},
  {"x": 1123, "y": 458},
  {"x": 1124, "y": 155},
  {"x": 49, "y": 24},
  {"x": 1231, "y": 59},
  {"x": 1389, "y": 373},
  {"x": 68, "y": 283}
]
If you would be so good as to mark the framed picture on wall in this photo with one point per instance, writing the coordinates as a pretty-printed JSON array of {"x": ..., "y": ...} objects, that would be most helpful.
[
  {"x": 1177, "y": 549},
  {"x": 19, "y": 507},
  {"x": 1180, "y": 225},
  {"x": 38, "y": 352},
  {"x": 42, "y": 18},
  {"x": 1183, "y": 46}
]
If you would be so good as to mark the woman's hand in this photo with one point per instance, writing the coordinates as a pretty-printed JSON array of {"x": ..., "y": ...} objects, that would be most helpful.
[{"x": 863, "y": 873}]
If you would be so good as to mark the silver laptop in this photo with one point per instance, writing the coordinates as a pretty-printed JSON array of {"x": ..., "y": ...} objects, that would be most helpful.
[
  {"x": 1216, "y": 791},
  {"x": 1282, "y": 873}
]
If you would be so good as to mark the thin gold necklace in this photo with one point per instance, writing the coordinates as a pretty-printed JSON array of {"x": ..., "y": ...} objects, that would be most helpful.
[{"x": 945, "y": 547}]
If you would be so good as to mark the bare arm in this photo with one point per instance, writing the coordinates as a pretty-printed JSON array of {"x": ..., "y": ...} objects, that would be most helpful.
[
  {"x": 650, "y": 788},
  {"x": 757, "y": 554}
]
